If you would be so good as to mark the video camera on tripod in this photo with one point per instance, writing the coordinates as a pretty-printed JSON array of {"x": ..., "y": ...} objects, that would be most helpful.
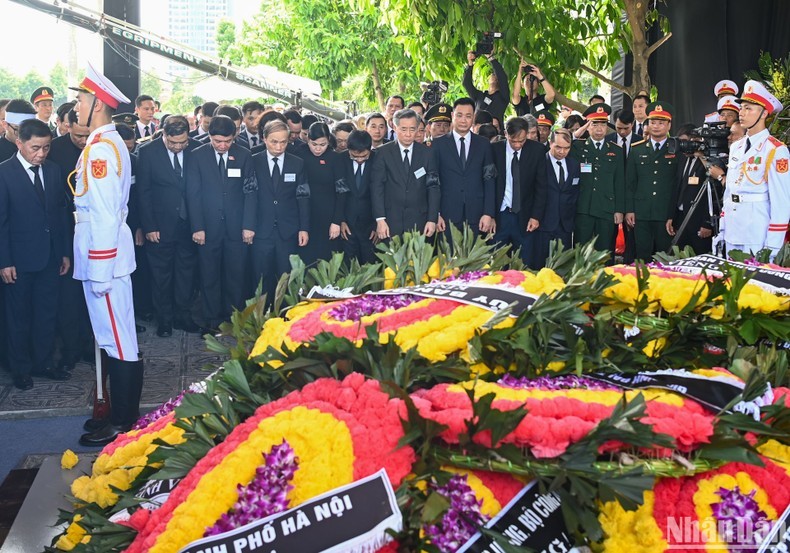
[
  {"x": 713, "y": 144},
  {"x": 714, "y": 148}
]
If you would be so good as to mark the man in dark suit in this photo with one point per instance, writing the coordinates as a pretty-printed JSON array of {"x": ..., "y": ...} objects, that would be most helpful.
[
  {"x": 467, "y": 175},
  {"x": 161, "y": 198},
  {"x": 358, "y": 229},
  {"x": 32, "y": 253},
  {"x": 222, "y": 213},
  {"x": 283, "y": 207},
  {"x": 235, "y": 114},
  {"x": 206, "y": 113},
  {"x": 563, "y": 173},
  {"x": 520, "y": 187},
  {"x": 404, "y": 184},
  {"x": 74, "y": 327},
  {"x": 144, "y": 109}
]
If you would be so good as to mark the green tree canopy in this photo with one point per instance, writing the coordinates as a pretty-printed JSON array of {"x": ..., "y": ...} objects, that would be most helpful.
[
  {"x": 560, "y": 36},
  {"x": 325, "y": 40}
]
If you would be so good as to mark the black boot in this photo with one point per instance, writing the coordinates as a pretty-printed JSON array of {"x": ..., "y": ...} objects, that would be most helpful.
[{"x": 126, "y": 385}]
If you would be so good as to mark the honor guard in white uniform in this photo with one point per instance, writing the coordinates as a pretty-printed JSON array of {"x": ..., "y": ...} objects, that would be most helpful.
[
  {"x": 104, "y": 250},
  {"x": 757, "y": 197},
  {"x": 722, "y": 89}
]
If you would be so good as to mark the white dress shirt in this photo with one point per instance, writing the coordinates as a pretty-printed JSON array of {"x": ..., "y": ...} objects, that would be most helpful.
[
  {"x": 557, "y": 167},
  {"x": 467, "y": 142},
  {"x": 26, "y": 166},
  {"x": 507, "y": 200}
]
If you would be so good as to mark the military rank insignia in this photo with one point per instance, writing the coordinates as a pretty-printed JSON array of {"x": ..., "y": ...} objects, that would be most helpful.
[
  {"x": 99, "y": 168},
  {"x": 781, "y": 166}
]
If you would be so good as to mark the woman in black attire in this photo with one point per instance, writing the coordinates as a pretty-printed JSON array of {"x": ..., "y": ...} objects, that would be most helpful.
[{"x": 324, "y": 172}]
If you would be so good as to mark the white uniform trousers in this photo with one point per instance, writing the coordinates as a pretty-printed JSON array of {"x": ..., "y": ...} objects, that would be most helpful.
[{"x": 112, "y": 319}]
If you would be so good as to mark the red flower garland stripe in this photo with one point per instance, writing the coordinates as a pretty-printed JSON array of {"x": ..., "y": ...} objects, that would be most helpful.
[{"x": 370, "y": 415}]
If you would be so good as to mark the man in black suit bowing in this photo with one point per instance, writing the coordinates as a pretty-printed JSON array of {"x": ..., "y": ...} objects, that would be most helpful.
[
  {"x": 358, "y": 229},
  {"x": 161, "y": 195},
  {"x": 404, "y": 184},
  {"x": 283, "y": 205},
  {"x": 32, "y": 253},
  {"x": 467, "y": 174},
  {"x": 222, "y": 213},
  {"x": 562, "y": 176},
  {"x": 520, "y": 187}
]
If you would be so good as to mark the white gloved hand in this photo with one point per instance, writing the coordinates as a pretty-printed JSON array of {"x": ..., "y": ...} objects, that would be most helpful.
[{"x": 100, "y": 289}]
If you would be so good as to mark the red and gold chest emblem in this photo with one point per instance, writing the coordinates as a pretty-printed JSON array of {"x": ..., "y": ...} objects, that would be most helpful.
[
  {"x": 99, "y": 168},
  {"x": 781, "y": 166}
]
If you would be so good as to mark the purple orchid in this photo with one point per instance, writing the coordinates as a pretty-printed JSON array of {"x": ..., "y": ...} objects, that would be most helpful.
[
  {"x": 462, "y": 519},
  {"x": 356, "y": 308},
  {"x": 561, "y": 382},
  {"x": 266, "y": 494}
]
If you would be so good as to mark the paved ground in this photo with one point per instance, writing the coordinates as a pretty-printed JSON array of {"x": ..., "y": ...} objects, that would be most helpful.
[{"x": 171, "y": 364}]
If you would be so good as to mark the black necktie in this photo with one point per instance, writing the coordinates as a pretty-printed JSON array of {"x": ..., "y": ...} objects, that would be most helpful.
[
  {"x": 392, "y": 134},
  {"x": 515, "y": 172},
  {"x": 463, "y": 152},
  {"x": 658, "y": 146},
  {"x": 253, "y": 141},
  {"x": 625, "y": 151},
  {"x": 406, "y": 162},
  {"x": 178, "y": 170},
  {"x": 276, "y": 172},
  {"x": 37, "y": 184},
  {"x": 147, "y": 131},
  {"x": 358, "y": 176},
  {"x": 598, "y": 146},
  {"x": 222, "y": 171},
  {"x": 748, "y": 145},
  {"x": 562, "y": 173},
  {"x": 639, "y": 129}
]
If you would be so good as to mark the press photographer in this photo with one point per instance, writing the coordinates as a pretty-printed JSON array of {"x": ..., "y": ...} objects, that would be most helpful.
[
  {"x": 496, "y": 98},
  {"x": 696, "y": 198},
  {"x": 531, "y": 78}
]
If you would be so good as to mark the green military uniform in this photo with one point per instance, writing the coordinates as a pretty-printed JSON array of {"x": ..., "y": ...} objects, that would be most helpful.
[
  {"x": 601, "y": 186},
  {"x": 651, "y": 178}
]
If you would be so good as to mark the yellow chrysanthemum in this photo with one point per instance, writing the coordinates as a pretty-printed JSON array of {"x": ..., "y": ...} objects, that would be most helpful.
[
  {"x": 73, "y": 536},
  {"x": 631, "y": 530},
  {"x": 68, "y": 460}
]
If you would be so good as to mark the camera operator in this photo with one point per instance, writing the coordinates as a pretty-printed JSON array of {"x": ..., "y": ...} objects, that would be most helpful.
[
  {"x": 728, "y": 110},
  {"x": 691, "y": 179},
  {"x": 757, "y": 199},
  {"x": 531, "y": 77},
  {"x": 495, "y": 99}
]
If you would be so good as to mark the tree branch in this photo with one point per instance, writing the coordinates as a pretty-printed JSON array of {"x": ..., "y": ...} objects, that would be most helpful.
[
  {"x": 607, "y": 80},
  {"x": 653, "y": 47},
  {"x": 573, "y": 104}
]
